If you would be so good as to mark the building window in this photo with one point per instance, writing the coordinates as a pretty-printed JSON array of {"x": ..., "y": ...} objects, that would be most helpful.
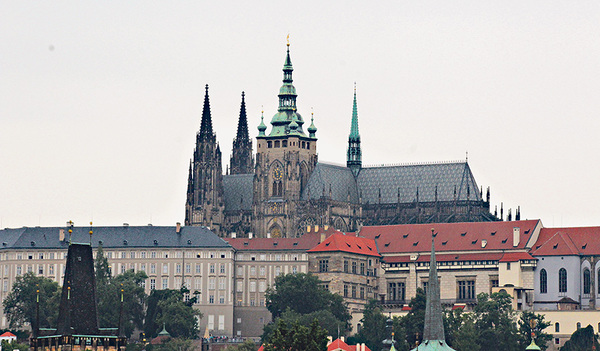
[
  {"x": 152, "y": 268},
  {"x": 345, "y": 290},
  {"x": 178, "y": 268},
  {"x": 262, "y": 271},
  {"x": 221, "y": 299},
  {"x": 132, "y": 254},
  {"x": 362, "y": 268},
  {"x": 543, "y": 281},
  {"x": 277, "y": 189},
  {"x": 277, "y": 271},
  {"x": 198, "y": 268},
  {"x": 222, "y": 268},
  {"x": 262, "y": 286},
  {"x": 353, "y": 267},
  {"x": 345, "y": 266},
  {"x": 252, "y": 270},
  {"x": 466, "y": 290},
  {"x": 587, "y": 282},
  {"x": 211, "y": 299},
  {"x": 323, "y": 266},
  {"x": 578, "y": 325},
  {"x": 165, "y": 268},
  {"x": 362, "y": 292},
  {"x": 152, "y": 284},
  {"x": 562, "y": 280},
  {"x": 396, "y": 291},
  {"x": 211, "y": 283},
  {"x": 252, "y": 286},
  {"x": 508, "y": 266},
  {"x": 294, "y": 269},
  {"x": 557, "y": 327},
  {"x": 212, "y": 268},
  {"x": 165, "y": 283},
  {"x": 425, "y": 286},
  {"x": 353, "y": 291},
  {"x": 221, "y": 283}
]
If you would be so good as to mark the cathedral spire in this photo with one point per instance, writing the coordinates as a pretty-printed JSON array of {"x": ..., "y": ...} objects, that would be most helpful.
[
  {"x": 354, "y": 156},
  {"x": 206, "y": 130},
  {"x": 433, "y": 333},
  {"x": 241, "y": 156}
]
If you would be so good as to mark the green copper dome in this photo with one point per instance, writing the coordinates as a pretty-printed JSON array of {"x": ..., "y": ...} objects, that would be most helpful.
[{"x": 262, "y": 127}]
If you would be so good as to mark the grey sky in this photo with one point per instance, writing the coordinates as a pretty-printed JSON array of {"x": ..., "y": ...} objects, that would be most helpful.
[{"x": 100, "y": 101}]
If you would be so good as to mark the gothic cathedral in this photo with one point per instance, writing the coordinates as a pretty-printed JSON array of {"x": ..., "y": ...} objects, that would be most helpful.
[{"x": 285, "y": 188}]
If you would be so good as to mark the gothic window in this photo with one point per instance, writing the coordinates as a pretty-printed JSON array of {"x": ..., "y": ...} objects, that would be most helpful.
[
  {"x": 562, "y": 280},
  {"x": 587, "y": 282},
  {"x": 556, "y": 327},
  {"x": 269, "y": 144},
  {"x": 543, "y": 281},
  {"x": 284, "y": 143},
  {"x": 276, "y": 143},
  {"x": 598, "y": 280}
]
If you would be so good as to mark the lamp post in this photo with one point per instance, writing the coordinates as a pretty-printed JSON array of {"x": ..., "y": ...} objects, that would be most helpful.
[{"x": 532, "y": 346}]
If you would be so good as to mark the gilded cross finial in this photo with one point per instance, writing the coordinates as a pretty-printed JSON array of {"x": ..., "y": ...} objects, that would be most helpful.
[
  {"x": 288, "y": 39},
  {"x": 354, "y": 87}
]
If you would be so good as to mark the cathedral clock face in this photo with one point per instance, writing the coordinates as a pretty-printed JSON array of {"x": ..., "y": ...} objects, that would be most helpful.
[{"x": 277, "y": 173}]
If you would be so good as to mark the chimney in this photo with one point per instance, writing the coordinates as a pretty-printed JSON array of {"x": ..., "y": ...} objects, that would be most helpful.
[
  {"x": 178, "y": 227},
  {"x": 362, "y": 347},
  {"x": 342, "y": 338},
  {"x": 61, "y": 234},
  {"x": 322, "y": 237},
  {"x": 516, "y": 236},
  {"x": 316, "y": 228},
  {"x": 250, "y": 235},
  {"x": 233, "y": 235},
  {"x": 483, "y": 243}
]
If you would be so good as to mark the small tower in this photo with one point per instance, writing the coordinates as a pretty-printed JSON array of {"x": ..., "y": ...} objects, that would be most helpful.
[
  {"x": 354, "y": 157},
  {"x": 241, "y": 155},
  {"x": 204, "y": 205},
  {"x": 433, "y": 331}
]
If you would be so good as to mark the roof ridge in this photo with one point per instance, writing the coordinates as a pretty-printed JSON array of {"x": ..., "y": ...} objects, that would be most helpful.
[{"x": 414, "y": 164}]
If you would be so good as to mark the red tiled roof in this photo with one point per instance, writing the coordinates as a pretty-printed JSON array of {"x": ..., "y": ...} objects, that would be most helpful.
[
  {"x": 337, "y": 344},
  {"x": 8, "y": 335},
  {"x": 261, "y": 348},
  {"x": 410, "y": 238},
  {"x": 568, "y": 241},
  {"x": 347, "y": 243},
  {"x": 516, "y": 257},
  {"x": 305, "y": 242},
  {"x": 484, "y": 256}
]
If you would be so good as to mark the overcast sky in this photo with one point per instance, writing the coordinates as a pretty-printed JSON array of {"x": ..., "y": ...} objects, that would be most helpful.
[{"x": 100, "y": 101}]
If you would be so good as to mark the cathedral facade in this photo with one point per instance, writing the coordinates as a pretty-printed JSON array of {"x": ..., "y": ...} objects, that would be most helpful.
[{"x": 284, "y": 188}]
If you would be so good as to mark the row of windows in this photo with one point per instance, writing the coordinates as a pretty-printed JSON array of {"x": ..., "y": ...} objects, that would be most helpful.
[
  {"x": 262, "y": 270},
  {"x": 284, "y": 143},
  {"x": 557, "y": 326},
  {"x": 115, "y": 254},
  {"x": 562, "y": 281},
  {"x": 262, "y": 286},
  {"x": 354, "y": 291},
  {"x": 353, "y": 267},
  {"x": 272, "y": 257}
]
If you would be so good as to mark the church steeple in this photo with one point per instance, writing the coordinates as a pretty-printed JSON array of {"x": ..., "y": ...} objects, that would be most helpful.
[
  {"x": 206, "y": 130},
  {"x": 354, "y": 156},
  {"x": 241, "y": 156},
  {"x": 287, "y": 121},
  {"x": 433, "y": 333}
]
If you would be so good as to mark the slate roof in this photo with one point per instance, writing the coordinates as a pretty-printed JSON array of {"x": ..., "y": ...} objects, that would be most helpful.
[
  {"x": 395, "y": 183},
  {"x": 568, "y": 241},
  {"x": 466, "y": 236},
  {"x": 238, "y": 191},
  {"x": 339, "y": 178},
  {"x": 305, "y": 242},
  {"x": 111, "y": 237},
  {"x": 405, "y": 179},
  {"x": 347, "y": 243}
]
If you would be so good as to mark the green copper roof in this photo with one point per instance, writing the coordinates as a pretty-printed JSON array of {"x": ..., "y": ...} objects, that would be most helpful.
[
  {"x": 286, "y": 121},
  {"x": 354, "y": 126},
  {"x": 262, "y": 127},
  {"x": 312, "y": 129}
]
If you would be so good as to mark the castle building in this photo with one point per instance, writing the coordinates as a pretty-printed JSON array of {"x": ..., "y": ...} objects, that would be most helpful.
[{"x": 285, "y": 188}]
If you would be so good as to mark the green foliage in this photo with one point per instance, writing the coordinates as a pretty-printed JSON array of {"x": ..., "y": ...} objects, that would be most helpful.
[
  {"x": 495, "y": 322},
  {"x": 10, "y": 346},
  {"x": 173, "y": 344},
  {"x": 414, "y": 321},
  {"x": 541, "y": 338},
  {"x": 20, "y": 304},
  {"x": 108, "y": 291},
  {"x": 303, "y": 294},
  {"x": 247, "y": 345},
  {"x": 168, "y": 307},
  {"x": 373, "y": 326},
  {"x": 461, "y": 330},
  {"x": 297, "y": 337},
  {"x": 325, "y": 318},
  {"x": 582, "y": 340}
]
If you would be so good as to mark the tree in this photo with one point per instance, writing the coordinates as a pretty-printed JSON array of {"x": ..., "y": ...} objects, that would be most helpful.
[
  {"x": 373, "y": 326},
  {"x": 541, "y": 338},
  {"x": 13, "y": 346},
  {"x": 178, "y": 344},
  {"x": 582, "y": 339},
  {"x": 20, "y": 304},
  {"x": 247, "y": 345},
  {"x": 414, "y": 321},
  {"x": 168, "y": 307},
  {"x": 297, "y": 337},
  {"x": 495, "y": 322},
  {"x": 134, "y": 300},
  {"x": 325, "y": 318},
  {"x": 462, "y": 334},
  {"x": 302, "y": 293}
]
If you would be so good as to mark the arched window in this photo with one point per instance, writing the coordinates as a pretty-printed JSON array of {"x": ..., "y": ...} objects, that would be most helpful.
[
  {"x": 556, "y": 327},
  {"x": 587, "y": 282},
  {"x": 543, "y": 281},
  {"x": 562, "y": 280},
  {"x": 578, "y": 325}
]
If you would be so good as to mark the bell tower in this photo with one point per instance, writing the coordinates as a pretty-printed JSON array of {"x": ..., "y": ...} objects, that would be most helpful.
[{"x": 285, "y": 159}]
